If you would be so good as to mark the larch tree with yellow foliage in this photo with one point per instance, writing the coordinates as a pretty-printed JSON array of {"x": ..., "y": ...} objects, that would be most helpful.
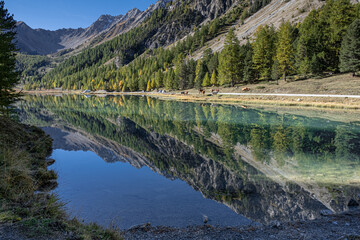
[{"x": 285, "y": 51}]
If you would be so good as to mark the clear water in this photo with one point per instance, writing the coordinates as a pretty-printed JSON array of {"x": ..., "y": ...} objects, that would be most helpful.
[
  {"x": 119, "y": 194},
  {"x": 128, "y": 160}
]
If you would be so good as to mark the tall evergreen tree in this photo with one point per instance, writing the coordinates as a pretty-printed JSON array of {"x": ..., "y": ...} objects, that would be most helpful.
[
  {"x": 285, "y": 52},
  {"x": 248, "y": 73},
  {"x": 213, "y": 80},
  {"x": 182, "y": 75},
  {"x": 170, "y": 79},
  {"x": 8, "y": 76},
  {"x": 230, "y": 69},
  {"x": 148, "y": 86},
  {"x": 159, "y": 79},
  {"x": 339, "y": 14},
  {"x": 350, "y": 49},
  {"x": 310, "y": 50},
  {"x": 199, "y": 73},
  {"x": 264, "y": 51},
  {"x": 206, "y": 81}
]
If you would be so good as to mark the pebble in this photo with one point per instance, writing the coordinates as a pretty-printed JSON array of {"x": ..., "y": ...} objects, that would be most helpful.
[
  {"x": 276, "y": 224},
  {"x": 326, "y": 212}
]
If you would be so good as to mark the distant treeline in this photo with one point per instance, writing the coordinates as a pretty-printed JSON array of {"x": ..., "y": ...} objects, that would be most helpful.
[{"x": 326, "y": 41}]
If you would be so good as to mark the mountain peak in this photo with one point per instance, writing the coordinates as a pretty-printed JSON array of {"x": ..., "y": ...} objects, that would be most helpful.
[
  {"x": 132, "y": 13},
  {"x": 105, "y": 18},
  {"x": 21, "y": 23}
]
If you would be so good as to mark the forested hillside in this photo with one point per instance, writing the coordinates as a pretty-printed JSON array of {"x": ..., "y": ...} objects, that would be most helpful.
[{"x": 137, "y": 60}]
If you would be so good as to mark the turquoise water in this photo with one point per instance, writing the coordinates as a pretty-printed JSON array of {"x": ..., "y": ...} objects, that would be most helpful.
[{"x": 128, "y": 160}]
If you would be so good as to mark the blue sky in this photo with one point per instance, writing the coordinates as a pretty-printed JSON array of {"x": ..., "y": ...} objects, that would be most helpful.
[{"x": 56, "y": 14}]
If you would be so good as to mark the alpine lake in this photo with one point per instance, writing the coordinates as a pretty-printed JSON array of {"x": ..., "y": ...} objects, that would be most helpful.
[{"x": 128, "y": 160}]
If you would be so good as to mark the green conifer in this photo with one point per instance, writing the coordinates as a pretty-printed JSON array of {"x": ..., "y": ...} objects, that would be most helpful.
[
  {"x": 8, "y": 77},
  {"x": 350, "y": 49}
]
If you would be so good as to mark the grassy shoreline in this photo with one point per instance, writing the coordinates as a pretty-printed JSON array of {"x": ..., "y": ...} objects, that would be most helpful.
[
  {"x": 305, "y": 102},
  {"x": 341, "y": 84},
  {"x": 27, "y": 206}
]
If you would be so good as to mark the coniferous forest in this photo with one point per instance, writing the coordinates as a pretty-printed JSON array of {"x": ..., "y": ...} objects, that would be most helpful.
[{"x": 325, "y": 42}]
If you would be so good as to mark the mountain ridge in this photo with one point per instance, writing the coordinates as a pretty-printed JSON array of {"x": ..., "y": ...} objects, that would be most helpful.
[{"x": 43, "y": 42}]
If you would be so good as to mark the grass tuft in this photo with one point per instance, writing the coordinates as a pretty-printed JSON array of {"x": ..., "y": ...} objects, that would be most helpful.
[{"x": 25, "y": 183}]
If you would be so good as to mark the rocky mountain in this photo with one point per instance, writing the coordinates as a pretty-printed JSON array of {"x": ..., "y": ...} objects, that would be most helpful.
[
  {"x": 213, "y": 8},
  {"x": 43, "y": 42}
]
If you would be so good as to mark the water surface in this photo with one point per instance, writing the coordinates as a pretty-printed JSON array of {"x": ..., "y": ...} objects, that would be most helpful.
[
  {"x": 127, "y": 160},
  {"x": 119, "y": 194}
]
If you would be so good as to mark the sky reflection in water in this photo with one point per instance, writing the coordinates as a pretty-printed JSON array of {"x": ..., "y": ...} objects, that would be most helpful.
[{"x": 119, "y": 193}]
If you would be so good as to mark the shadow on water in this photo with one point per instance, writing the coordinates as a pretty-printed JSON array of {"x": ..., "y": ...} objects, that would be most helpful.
[{"x": 263, "y": 165}]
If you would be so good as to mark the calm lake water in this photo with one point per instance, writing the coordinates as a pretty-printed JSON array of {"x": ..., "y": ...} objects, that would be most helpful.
[{"x": 129, "y": 160}]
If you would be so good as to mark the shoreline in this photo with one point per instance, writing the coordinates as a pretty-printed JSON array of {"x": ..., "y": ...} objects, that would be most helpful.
[
  {"x": 333, "y": 226},
  {"x": 28, "y": 208},
  {"x": 261, "y": 93},
  {"x": 338, "y": 226},
  {"x": 294, "y": 100}
]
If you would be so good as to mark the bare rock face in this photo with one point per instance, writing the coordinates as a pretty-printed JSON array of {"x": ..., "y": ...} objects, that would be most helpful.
[{"x": 213, "y": 8}]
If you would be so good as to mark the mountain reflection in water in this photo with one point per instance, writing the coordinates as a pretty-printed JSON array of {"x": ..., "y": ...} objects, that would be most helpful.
[{"x": 263, "y": 165}]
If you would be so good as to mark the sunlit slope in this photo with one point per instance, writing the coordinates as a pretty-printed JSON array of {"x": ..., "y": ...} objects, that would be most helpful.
[{"x": 274, "y": 13}]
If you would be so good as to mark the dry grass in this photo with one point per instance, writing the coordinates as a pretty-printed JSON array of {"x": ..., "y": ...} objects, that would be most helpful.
[
  {"x": 343, "y": 84},
  {"x": 23, "y": 170}
]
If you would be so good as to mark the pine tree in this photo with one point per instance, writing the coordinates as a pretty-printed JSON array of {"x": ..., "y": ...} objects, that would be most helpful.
[
  {"x": 182, "y": 75},
  {"x": 158, "y": 79},
  {"x": 264, "y": 51},
  {"x": 148, "y": 87},
  {"x": 213, "y": 80},
  {"x": 230, "y": 69},
  {"x": 311, "y": 49},
  {"x": 285, "y": 52},
  {"x": 302, "y": 61},
  {"x": 275, "y": 71},
  {"x": 170, "y": 79},
  {"x": 350, "y": 49},
  {"x": 339, "y": 16},
  {"x": 8, "y": 77},
  {"x": 248, "y": 74},
  {"x": 199, "y": 74},
  {"x": 206, "y": 81}
]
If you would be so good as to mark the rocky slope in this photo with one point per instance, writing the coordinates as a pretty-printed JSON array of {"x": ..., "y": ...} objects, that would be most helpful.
[
  {"x": 276, "y": 12},
  {"x": 42, "y": 42}
]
